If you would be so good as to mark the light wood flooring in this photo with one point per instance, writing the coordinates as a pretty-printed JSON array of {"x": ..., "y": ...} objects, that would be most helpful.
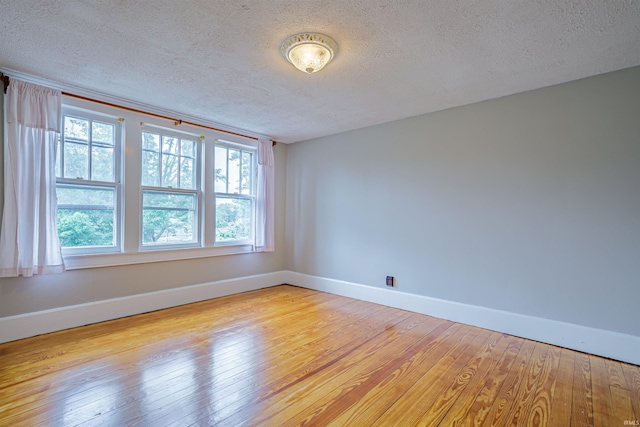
[{"x": 290, "y": 356}]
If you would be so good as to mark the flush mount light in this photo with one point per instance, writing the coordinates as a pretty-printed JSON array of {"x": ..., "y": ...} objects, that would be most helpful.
[{"x": 309, "y": 52}]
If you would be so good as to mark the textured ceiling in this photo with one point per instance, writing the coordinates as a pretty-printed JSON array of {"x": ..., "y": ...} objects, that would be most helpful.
[{"x": 220, "y": 60}]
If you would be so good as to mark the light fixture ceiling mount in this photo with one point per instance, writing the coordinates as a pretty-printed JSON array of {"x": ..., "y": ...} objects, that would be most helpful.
[{"x": 309, "y": 52}]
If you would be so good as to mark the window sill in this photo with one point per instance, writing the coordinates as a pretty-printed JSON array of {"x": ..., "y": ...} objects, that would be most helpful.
[{"x": 78, "y": 262}]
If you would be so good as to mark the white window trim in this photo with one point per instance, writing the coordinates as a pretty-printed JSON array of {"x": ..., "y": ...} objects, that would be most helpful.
[
  {"x": 75, "y": 262},
  {"x": 131, "y": 196},
  {"x": 116, "y": 120}
]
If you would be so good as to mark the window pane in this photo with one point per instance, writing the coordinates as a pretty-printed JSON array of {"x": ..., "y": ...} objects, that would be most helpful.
[
  {"x": 187, "y": 174},
  {"x": 234, "y": 171},
  {"x": 187, "y": 148},
  {"x": 86, "y": 216},
  {"x": 102, "y": 168},
  {"x": 150, "y": 141},
  {"x": 169, "y": 145},
  {"x": 246, "y": 173},
  {"x": 102, "y": 133},
  {"x": 221, "y": 170},
  {"x": 169, "y": 170},
  {"x": 233, "y": 219},
  {"x": 76, "y": 160},
  {"x": 76, "y": 128},
  {"x": 150, "y": 169},
  {"x": 157, "y": 199},
  {"x": 168, "y": 218}
]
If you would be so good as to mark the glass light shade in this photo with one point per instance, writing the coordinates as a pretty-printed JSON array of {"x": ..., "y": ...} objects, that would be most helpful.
[
  {"x": 309, "y": 52},
  {"x": 309, "y": 57}
]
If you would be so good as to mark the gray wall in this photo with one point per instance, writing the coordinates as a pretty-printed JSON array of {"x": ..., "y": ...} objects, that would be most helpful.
[
  {"x": 528, "y": 203},
  {"x": 24, "y": 295}
]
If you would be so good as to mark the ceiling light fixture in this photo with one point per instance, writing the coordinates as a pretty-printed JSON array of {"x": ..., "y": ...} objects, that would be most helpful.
[{"x": 309, "y": 52}]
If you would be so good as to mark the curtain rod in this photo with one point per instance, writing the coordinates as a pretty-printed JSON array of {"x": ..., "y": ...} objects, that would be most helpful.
[{"x": 5, "y": 80}]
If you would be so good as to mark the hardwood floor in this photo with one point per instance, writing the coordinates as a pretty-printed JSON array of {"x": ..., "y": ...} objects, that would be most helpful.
[{"x": 290, "y": 356}]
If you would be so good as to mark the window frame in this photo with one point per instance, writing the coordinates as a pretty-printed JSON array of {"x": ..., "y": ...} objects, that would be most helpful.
[
  {"x": 116, "y": 185},
  {"x": 197, "y": 191},
  {"x": 226, "y": 195}
]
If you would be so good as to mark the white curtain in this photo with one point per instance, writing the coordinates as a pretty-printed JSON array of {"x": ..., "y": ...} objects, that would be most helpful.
[
  {"x": 265, "y": 197},
  {"x": 29, "y": 237}
]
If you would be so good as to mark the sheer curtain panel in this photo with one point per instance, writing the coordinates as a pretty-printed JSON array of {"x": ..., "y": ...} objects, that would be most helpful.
[
  {"x": 265, "y": 197},
  {"x": 29, "y": 237}
]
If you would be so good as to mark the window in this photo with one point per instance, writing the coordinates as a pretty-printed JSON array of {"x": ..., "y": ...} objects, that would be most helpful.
[
  {"x": 133, "y": 188},
  {"x": 88, "y": 182},
  {"x": 235, "y": 176},
  {"x": 170, "y": 189}
]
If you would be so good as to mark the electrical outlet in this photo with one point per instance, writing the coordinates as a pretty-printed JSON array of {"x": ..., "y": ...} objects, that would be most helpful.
[{"x": 391, "y": 281}]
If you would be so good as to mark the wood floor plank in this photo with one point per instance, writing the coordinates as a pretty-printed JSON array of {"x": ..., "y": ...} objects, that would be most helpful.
[
  {"x": 601, "y": 393},
  {"x": 141, "y": 333},
  {"x": 26, "y": 369},
  {"x": 622, "y": 410},
  {"x": 177, "y": 360},
  {"x": 343, "y": 388},
  {"x": 523, "y": 400},
  {"x": 421, "y": 395},
  {"x": 276, "y": 405},
  {"x": 474, "y": 412},
  {"x": 513, "y": 382},
  {"x": 378, "y": 397},
  {"x": 285, "y": 368},
  {"x": 541, "y": 407},
  {"x": 632, "y": 378},
  {"x": 291, "y": 356},
  {"x": 240, "y": 378},
  {"x": 615, "y": 376},
  {"x": 582, "y": 407},
  {"x": 467, "y": 380},
  {"x": 173, "y": 350},
  {"x": 375, "y": 390},
  {"x": 561, "y": 402}
]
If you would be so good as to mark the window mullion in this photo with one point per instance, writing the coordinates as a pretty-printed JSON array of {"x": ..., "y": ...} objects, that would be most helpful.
[
  {"x": 226, "y": 180},
  {"x": 240, "y": 173},
  {"x": 90, "y": 150},
  {"x": 179, "y": 160},
  {"x": 160, "y": 159},
  {"x": 61, "y": 152}
]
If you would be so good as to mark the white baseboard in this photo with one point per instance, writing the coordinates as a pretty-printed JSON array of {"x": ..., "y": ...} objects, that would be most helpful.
[
  {"x": 600, "y": 342},
  {"x": 42, "y": 322},
  {"x": 609, "y": 344}
]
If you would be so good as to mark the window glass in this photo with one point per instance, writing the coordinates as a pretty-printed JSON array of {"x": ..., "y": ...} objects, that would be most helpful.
[
  {"x": 247, "y": 175},
  {"x": 234, "y": 218},
  {"x": 221, "y": 170},
  {"x": 233, "y": 176},
  {"x": 168, "y": 218},
  {"x": 86, "y": 216},
  {"x": 235, "y": 194}
]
